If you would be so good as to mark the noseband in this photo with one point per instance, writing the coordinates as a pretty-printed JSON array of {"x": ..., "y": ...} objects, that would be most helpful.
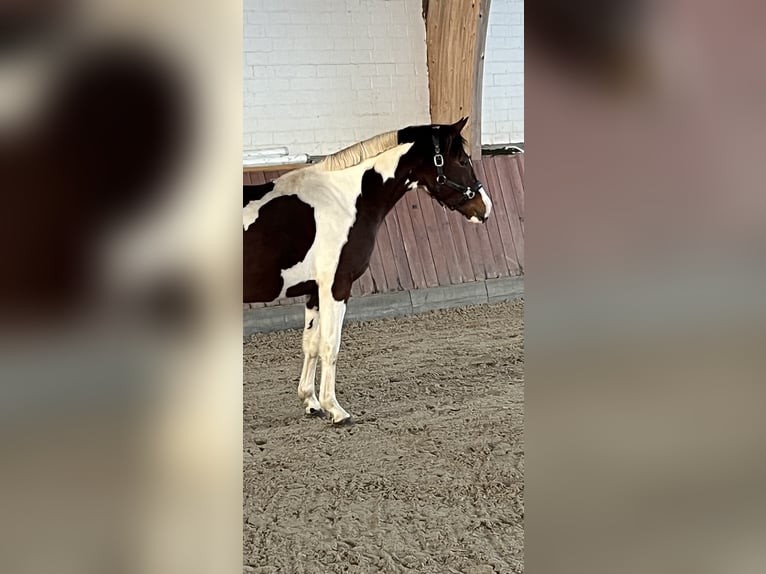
[{"x": 443, "y": 180}]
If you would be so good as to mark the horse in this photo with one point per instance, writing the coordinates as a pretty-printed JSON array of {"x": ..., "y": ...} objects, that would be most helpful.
[{"x": 312, "y": 231}]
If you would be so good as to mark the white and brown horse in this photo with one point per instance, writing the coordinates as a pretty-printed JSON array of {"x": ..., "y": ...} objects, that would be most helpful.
[{"x": 312, "y": 231}]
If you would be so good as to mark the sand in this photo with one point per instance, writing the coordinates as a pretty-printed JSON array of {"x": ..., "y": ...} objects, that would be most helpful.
[{"x": 431, "y": 476}]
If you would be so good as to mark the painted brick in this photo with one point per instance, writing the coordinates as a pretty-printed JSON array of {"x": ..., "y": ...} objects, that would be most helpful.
[
  {"x": 503, "y": 83},
  {"x": 366, "y": 70},
  {"x": 360, "y": 18},
  {"x": 361, "y": 83},
  {"x": 325, "y": 74},
  {"x": 381, "y": 82}
]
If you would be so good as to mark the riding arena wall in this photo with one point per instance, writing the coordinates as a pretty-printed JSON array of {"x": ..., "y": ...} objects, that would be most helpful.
[{"x": 424, "y": 252}]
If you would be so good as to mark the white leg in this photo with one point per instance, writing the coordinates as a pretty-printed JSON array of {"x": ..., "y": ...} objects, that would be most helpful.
[
  {"x": 310, "y": 355},
  {"x": 332, "y": 323}
]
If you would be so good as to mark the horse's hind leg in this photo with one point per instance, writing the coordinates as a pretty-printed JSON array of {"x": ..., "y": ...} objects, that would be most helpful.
[{"x": 311, "y": 338}]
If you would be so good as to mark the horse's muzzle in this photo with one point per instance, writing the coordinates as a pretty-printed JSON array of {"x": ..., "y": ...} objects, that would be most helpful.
[
  {"x": 485, "y": 200},
  {"x": 480, "y": 206}
]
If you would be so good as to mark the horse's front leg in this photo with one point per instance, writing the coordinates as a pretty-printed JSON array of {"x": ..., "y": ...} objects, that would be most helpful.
[{"x": 333, "y": 312}]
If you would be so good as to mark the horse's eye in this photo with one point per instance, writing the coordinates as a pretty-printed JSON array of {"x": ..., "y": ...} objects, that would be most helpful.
[{"x": 464, "y": 162}]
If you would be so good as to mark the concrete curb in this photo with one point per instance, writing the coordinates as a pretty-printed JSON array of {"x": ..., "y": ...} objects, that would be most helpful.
[{"x": 397, "y": 304}]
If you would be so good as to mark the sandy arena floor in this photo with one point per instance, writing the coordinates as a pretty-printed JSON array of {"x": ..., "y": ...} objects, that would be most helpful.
[{"x": 430, "y": 479}]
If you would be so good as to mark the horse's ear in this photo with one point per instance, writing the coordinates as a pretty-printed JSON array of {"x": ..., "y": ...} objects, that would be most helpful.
[{"x": 460, "y": 124}]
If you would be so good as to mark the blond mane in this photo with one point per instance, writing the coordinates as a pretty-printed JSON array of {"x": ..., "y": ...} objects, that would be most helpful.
[{"x": 357, "y": 153}]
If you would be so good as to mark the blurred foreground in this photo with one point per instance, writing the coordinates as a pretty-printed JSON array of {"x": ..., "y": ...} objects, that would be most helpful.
[
  {"x": 646, "y": 317},
  {"x": 120, "y": 377}
]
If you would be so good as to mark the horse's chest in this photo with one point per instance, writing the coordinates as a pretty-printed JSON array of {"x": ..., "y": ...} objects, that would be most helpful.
[{"x": 334, "y": 227}]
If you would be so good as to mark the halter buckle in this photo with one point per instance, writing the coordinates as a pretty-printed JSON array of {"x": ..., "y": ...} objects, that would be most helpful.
[
  {"x": 469, "y": 193},
  {"x": 438, "y": 160},
  {"x": 441, "y": 178}
]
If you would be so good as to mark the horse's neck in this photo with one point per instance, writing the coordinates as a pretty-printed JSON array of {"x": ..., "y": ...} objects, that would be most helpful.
[
  {"x": 383, "y": 199},
  {"x": 394, "y": 170},
  {"x": 396, "y": 189}
]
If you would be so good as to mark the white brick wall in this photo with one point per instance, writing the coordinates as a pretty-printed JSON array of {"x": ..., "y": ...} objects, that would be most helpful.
[
  {"x": 503, "y": 89},
  {"x": 320, "y": 75}
]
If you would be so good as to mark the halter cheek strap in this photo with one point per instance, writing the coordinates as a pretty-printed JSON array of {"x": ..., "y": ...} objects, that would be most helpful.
[{"x": 441, "y": 179}]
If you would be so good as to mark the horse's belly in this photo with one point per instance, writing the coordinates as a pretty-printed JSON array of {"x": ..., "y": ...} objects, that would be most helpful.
[
  {"x": 277, "y": 249},
  {"x": 300, "y": 273}
]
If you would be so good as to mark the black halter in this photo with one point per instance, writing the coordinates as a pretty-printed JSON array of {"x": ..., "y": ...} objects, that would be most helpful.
[{"x": 442, "y": 180}]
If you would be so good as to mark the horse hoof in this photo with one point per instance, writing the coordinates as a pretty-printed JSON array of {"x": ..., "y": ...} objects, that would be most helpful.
[
  {"x": 347, "y": 422},
  {"x": 314, "y": 413}
]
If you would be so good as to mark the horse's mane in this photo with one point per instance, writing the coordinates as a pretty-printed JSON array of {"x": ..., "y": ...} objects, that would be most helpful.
[{"x": 357, "y": 153}]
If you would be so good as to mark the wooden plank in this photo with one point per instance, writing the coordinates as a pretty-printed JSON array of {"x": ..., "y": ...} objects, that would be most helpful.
[
  {"x": 515, "y": 218},
  {"x": 377, "y": 272},
  {"x": 520, "y": 162},
  {"x": 448, "y": 241},
  {"x": 409, "y": 244},
  {"x": 432, "y": 235},
  {"x": 246, "y": 178},
  {"x": 500, "y": 212},
  {"x": 421, "y": 239},
  {"x": 461, "y": 248},
  {"x": 511, "y": 229},
  {"x": 493, "y": 231},
  {"x": 485, "y": 249},
  {"x": 283, "y": 167},
  {"x": 453, "y": 56},
  {"x": 383, "y": 246},
  {"x": 518, "y": 188},
  {"x": 366, "y": 285},
  {"x": 400, "y": 255},
  {"x": 257, "y": 177},
  {"x": 478, "y": 84},
  {"x": 474, "y": 249}
]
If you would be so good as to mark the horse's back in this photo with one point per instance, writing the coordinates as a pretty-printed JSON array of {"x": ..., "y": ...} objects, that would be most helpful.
[{"x": 255, "y": 192}]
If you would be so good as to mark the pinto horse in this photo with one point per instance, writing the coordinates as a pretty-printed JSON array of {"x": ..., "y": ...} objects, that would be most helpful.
[{"x": 312, "y": 231}]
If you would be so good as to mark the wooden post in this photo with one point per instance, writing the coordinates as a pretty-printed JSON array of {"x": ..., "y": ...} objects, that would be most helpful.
[{"x": 456, "y": 31}]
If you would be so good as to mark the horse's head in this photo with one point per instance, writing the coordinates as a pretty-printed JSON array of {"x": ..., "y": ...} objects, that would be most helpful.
[{"x": 448, "y": 173}]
